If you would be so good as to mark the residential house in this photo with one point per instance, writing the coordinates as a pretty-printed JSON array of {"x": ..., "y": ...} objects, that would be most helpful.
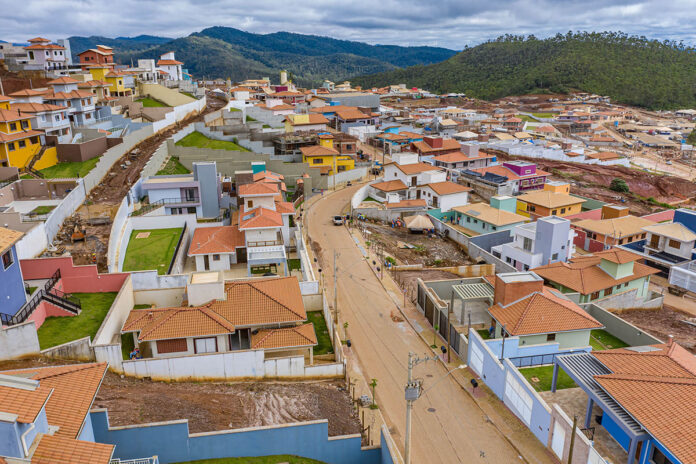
[
  {"x": 510, "y": 178},
  {"x": 545, "y": 241},
  {"x": 645, "y": 396},
  {"x": 100, "y": 89},
  {"x": 102, "y": 56},
  {"x": 46, "y": 418},
  {"x": 12, "y": 292},
  {"x": 276, "y": 107},
  {"x": 670, "y": 241},
  {"x": 481, "y": 218},
  {"x": 523, "y": 307},
  {"x": 616, "y": 227},
  {"x": 45, "y": 55},
  {"x": 468, "y": 158},
  {"x": 19, "y": 141},
  {"x": 434, "y": 146},
  {"x": 196, "y": 193},
  {"x": 333, "y": 154},
  {"x": 217, "y": 248},
  {"x": 443, "y": 195},
  {"x": 305, "y": 122},
  {"x": 115, "y": 79},
  {"x": 259, "y": 314},
  {"x": 79, "y": 103},
  {"x": 346, "y": 118},
  {"x": 171, "y": 66},
  {"x": 413, "y": 174},
  {"x": 52, "y": 119},
  {"x": 542, "y": 203},
  {"x": 290, "y": 97},
  {"x": 513, "y": 124},
  {"x": 601, "y": 275}
]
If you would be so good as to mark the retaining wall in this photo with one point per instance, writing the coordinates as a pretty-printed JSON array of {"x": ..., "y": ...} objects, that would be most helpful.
[
  {"x": 18, "y": 340},
  {"x": 80, "y": 349},
  {"x": 620, "y": 328}
]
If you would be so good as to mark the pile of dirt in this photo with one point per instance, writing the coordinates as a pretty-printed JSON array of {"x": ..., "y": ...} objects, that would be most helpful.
[
  {"x": 663, "y": 323},
  {"x": 409, "y": 248}
]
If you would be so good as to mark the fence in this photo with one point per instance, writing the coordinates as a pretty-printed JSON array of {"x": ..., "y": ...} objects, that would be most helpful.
[
  {"x": 246, "y": 364},
  {"x": 172, "y": 442}
]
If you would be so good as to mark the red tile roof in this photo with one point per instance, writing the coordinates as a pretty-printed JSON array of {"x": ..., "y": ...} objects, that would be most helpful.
[
  {"x": 260, "y": 218},
  {"x": 168, "y": 62},
  {"x": 390, "y": 185},
  {"x": 318, "y": 150},
  {"x": 447, "y": 188},
  {"x": 414, "y": 168},
  {"x": 26, "y": 404},
  {"x": 447, "y": 144},
  {"x": 213, "y": 240},
  {"x": 287, "y": 337},
  {"x": 417, "y": 203},
  {"x": 64, "y": 80},
  {"x": 53, "y": 449},
  {"x": 257, "y": 188}
]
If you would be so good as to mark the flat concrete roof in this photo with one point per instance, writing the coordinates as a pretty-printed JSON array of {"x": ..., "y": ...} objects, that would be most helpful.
[{"x": 510, "y": 277}]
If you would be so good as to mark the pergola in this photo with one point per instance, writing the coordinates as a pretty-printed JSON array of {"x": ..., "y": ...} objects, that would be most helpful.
[
  {"x": 582, "y": 368},
  {"x": 468, "y": 294}
]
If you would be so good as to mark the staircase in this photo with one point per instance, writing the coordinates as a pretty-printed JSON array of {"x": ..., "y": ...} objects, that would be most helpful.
[
  {"x": 50, "y": 295},
  {"x": 29, "y": 167}
]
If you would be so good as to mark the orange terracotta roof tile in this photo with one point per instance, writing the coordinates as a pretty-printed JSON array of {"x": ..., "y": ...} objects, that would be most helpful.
[
  {"x": 64, "y": 80},
  {"x": 603, "y": 155},
  {"x": 8, "y": 237},
  {"x": 285, "y": 207},
  {"x": 4, "y": 138},
  {"x": 36, "y": 107},
  {"x": 12, "y": 115},
  {"x": 540, "y": 313},
  {"x": 318, "y": 150},
  {"x": 3, "y": 98},
  {"x": 447, "y": 188},
  {"x": 168, "y": 62},
  {"x": 257, "y": 188},
  {"x": 287, "y": 337},
  {"x": 29, "y": 92},
  {"x": 417, "y": 203},
  {"x": 390, "y": 185},
  {"x": 548, "y": 199},
  {"x": 351, "y": 114},
  {"x": 26, "y": 404},
  {"x": 414, "y": 168},
  {"x": 260, "y": 218},
  {"x": 447, "y": 144},
  {"x": 54, "y": 449},
  {"x": 311, "y": 119},
  {"x": 222, "y": 239},
  {"x": 74, "y": 388},
  {"x": 248, "y": 303}
]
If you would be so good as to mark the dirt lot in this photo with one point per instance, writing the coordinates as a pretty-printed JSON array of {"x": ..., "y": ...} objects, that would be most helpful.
[
  {"x": 592, "y": 181},
  {"x": 428, "y": 251},
  {"x": 219, "y": 406},
  {"x": 663, "y": 323},
  {"x": 407, "y": 279},
  {"x": 104, "y": 199}
]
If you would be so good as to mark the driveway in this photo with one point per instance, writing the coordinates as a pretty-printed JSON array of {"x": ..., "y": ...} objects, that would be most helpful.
[{"x": 448, "y": 425}]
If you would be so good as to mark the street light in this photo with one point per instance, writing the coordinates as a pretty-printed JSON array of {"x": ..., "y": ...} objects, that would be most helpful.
[{"x": 413, "y": 391}]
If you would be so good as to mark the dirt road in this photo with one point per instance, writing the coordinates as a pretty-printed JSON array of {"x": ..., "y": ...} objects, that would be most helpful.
[{"x": 448, "y": 426}]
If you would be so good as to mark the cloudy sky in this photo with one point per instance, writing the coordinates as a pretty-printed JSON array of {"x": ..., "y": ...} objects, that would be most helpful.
[{"x": 446, "y": 23}]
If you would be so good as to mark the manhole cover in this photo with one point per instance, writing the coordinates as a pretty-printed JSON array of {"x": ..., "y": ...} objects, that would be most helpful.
[{"x": 431, "y": 410}]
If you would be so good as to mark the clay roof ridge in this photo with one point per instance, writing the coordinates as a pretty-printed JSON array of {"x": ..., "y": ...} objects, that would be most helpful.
[
  {"x": 272, "y": 298},
  {"x": 217, "y": 317},
  {"x": 157, "y": 323},
  {"x": 525, "y": 311},
  {"x": 76, "y": 368},
  {"x": 649, "y": 378}
]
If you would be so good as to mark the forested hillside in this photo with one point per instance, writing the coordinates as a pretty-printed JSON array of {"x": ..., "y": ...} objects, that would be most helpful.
[{"x": 632, "y": 70}]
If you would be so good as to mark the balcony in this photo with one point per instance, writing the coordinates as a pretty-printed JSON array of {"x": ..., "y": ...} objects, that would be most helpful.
[
  {"x": 166, "y": 202},
  {"x": 152, "y": 460},
  {"x": 267, "y": 243}
]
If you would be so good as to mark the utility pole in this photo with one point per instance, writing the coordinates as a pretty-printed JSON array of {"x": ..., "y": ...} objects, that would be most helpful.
[
  {"x": 2, "y": 91},
  {"x": 335, "y": 287},
  {"x": 449, "y": 326},
  {"x": 572, "y": 440}
]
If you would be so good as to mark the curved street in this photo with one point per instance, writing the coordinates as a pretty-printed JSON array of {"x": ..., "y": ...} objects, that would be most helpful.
[{"x": 448, "y": 426}]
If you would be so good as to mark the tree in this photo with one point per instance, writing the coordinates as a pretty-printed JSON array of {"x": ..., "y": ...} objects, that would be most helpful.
[
  {"x": 373, "y": 384},
  {"x": 691, "y": 139},
  {"x": 619, "y": 185}
]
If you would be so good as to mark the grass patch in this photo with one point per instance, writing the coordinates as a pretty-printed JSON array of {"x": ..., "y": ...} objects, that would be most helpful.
[
  {"x": 196, "y": 139},
  {"x": 603, "y": 340},
  {"x": 526, "y": 118},
  {"x": 173, "y": 166},
  {"x": 484, "y": 334},
  {"x": 544, "y": 115},
  {"x": 232, "y": 109},
  {"x": 127, "y": 345},
  {"x": 250, "y": 119},
  {"x": 545, "y": 374},
  {"x": 70, "y": 170},
  {"x": 258, "y": 460},
  {"x": 152, "y": 253},
  {"x": 294, "y": 263},
  {"x": 372, "y": 199},
  {"x": 151, "y": 103},
  {"x": 189, "y": 94},
  {"x": 58, "y": 330},
  {"x": 32, "y": 290},
  {"x": 323, "y": 336},
  {"x": 41, "y": 210}
]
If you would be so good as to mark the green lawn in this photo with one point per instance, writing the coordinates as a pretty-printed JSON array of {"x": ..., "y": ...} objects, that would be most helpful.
[
  {"x": 294, "y": 263},
  {"x": 524, "y": 117},
  {"x": 484, "y": 334},
  {"x": 323, "y": 336},
  {"x": 545, "y": 374},
  {"x": 151, "y": 103},
  {"x": 196, "y": 139},
  {"x": 127, "y": 345},
  {"x": 603, "y": 340},
  {"x": 58, "y": 330},
  {"x": 545, "y": 115},
  {"x": 250, "y": 119},
  {"x": 70, "y": 170},
  {"x": 258, "y": 460},
  {"x": 152, "y": 253},
  {"x": 173, "y": 166},
  {"x": 40, "y": 210}
]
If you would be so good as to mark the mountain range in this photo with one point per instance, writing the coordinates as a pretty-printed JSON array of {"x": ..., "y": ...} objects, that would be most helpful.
[
  {"x": 222, "y": 52},
  {"x": 632, "y": 70}
]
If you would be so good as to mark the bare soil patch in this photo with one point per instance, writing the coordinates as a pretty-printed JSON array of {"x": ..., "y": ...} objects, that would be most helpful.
[
  {"x": 407, "y": 279},
  {"x": 663, "y": 323}
]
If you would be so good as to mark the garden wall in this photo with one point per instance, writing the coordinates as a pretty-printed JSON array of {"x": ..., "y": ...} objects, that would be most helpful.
[
  {"x": 172, "y": 442},
  {"x": 18, "y": 340},
  {"x": 621, "y": 329},
  {"x": 85, "y": 279}
]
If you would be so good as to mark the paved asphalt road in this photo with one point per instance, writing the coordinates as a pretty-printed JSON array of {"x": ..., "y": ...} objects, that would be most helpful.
[{"x": 448, "y": 427}]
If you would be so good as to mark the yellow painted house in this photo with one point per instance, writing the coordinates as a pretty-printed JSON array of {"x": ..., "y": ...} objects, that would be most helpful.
[
  {"x": 305, "y": 122},
  {"x": 21, "y": 145},
  {"x": 114, "y": 78},
  {"x": 325, "y": 157}
]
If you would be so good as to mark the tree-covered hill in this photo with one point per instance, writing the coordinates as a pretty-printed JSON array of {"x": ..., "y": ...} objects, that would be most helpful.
[{"x": 632, "y": 70}]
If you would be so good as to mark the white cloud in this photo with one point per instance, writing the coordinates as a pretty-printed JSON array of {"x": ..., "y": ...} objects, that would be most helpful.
[{"x": 449, "y": 23}]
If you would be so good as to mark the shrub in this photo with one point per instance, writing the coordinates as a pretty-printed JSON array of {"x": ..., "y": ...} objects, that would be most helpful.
[{"x": 619, "y": 185}]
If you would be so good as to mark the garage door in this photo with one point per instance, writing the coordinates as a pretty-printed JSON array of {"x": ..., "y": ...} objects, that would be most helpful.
[
  {"x": 476, "y": 358},
  {"x": 558, "y": 440},
  {"x": 518, "y": 399}
]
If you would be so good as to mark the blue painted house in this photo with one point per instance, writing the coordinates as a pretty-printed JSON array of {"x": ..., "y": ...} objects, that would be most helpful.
[
  {"x": 12, "y": 293},
  {"x": 646, "y": 394}
]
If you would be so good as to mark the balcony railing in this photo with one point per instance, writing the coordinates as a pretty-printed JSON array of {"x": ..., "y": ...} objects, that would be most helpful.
[
  {"x": 264, "y": 243},
  {"x": 163, "y": 202},
  {"x": 152, "y": 460}
]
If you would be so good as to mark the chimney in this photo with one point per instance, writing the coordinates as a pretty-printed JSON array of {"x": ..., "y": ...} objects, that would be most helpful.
[
  {"x": 512, "y": 286},
  {"x": 434, "y": 142}
]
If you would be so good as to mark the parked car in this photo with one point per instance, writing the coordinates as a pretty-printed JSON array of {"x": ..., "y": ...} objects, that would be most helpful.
[{"x": 338, "y": 220}]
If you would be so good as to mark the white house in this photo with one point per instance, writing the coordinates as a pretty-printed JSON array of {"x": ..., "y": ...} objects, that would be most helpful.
[
  {"x": 444, "y": 195},
  {"x": 670, "y": 238},
  {"x": 171, "y": 66}
]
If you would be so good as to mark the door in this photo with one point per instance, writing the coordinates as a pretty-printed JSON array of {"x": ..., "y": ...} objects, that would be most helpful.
[
  {"x": 654, "y": 241},
  {"x": 206, "y": 263},
  {"x": 205, "y": 345},
  {"x": 558, "y": 440},
  {"x": 241, "y": 255},
  {"x": 414, "y": 181}
]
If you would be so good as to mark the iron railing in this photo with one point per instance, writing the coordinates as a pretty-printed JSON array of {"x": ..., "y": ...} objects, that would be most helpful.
[
  {"x": 163, "y": 202},
  {"x": 264, "y": 243},
  {"x": 176, "y": 250},
  {"x": 152, "y": 460}
]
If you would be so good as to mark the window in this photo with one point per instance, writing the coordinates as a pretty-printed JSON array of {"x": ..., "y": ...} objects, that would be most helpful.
[
  {"x": 316, "y": 161},
  {"x": 674, "y": 244},
  {"x": 554, "y": 212},
  {"x": 563, "y": 210},
  {"x": 22, "y": 143},
  {"x": 250, "y": 204},
  {"x": 13, "y": 126},
  {"x": 626, "y": 284},
  {"x": 526, "y": 244},
  {"x": 526, "y": 267},
  {"x": 594, "y": 296},
  {"x": 659, "y": 458},
  {"x": 34, "y": 140},
  {"x": 468, "y": 219},
  {"x": 608, "y": 291},
  {"x": 205, "y": 345},
  {"x": 531, "y": 208},
  {"x": 7, "y": 259},
  {"x": 25, "y": 124},
  {"x": 216, "y": 257},
  {"x": 176, "y": 345},
  {"x": 550, "y": 337},
  {"x": 618, "y": 287},
  {"x": 11, "y": 146}
]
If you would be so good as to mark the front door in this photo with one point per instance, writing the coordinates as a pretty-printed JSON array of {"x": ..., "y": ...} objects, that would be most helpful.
[
  {"x": 241, "y": 255},
  {"x": 654, "y": 241},
  {"x": 206, "y": 263}
]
